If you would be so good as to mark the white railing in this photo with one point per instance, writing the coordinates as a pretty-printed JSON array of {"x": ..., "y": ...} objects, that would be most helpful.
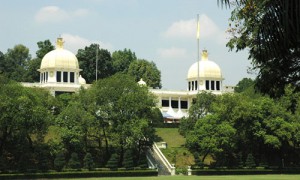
[{"x": 161, "y": 156}]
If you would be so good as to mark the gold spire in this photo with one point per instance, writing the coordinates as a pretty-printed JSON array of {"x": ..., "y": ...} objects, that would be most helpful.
[
  {"x": 59, "y": 43},
  {"x": 204, "y": 56}
]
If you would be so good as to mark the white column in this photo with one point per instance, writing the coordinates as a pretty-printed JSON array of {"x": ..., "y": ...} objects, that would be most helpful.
[
  {"x": 170, "y": 101},
  {"x": 69, "y": 76}
]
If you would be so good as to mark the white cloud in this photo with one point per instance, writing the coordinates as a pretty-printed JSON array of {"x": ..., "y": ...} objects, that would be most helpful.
[
  {"x": 172, "y": 53},
  {"x": 188, "y": 29},
  {"x": 54, "y": 14},
  {"x": 75, "y": 42}
]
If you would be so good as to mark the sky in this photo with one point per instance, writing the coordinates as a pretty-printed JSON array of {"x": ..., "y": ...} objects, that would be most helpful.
[{"x": 162, "y": 31}]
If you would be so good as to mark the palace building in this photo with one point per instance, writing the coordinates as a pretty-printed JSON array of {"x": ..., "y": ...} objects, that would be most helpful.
[{"x": 60, "y": 73}]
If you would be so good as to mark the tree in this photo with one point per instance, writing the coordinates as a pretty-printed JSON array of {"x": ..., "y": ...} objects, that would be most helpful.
[
  {"x": 113, "y": 162},
  {"x": 243, "y": 84},
  {"x": 34, "y": 64},
  {"x": 87, "y": 62},
  {"x": 211, "y": 135},
  {"x": 143, "y": 69},
  {"x": 74, "y": 162},
  {"x": 250, "y": 163},
  {"x": 124, "y": 111},
  {"x": 200, "y": 108},
  {"x": 269, "y": 29},
  {"x": 16, "y": 63},
  {"x": 88, "y": 161},
  {"x": 59, "y": 161},
  {"x": 128, "y": 160},
  {"x": 24, "y": 120},
  {"x": 122, "y": 60}
]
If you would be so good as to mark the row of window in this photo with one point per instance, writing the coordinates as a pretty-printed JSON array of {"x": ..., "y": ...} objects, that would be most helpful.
[
  {"x": 174, "y": 104},
  {"x": 64, "y": 76},
  {"x": 209, "y": 85},
  {"x": 61, "y": 76}
]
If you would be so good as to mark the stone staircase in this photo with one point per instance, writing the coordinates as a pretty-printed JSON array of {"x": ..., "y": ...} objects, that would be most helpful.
[{"x": 159, "y": 161}]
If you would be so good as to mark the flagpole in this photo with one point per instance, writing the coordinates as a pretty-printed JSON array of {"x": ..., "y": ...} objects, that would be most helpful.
[
  {"x": 97, "y": 62},
  {"x": 198, "y": 52}
]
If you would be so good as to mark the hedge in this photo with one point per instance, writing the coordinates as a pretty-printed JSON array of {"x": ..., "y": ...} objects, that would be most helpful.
[
  {"x": 244, "y": 171},
  {"x": 81, "y": 174}
]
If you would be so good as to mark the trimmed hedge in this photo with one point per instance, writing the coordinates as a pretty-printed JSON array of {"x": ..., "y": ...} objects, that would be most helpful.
[
  {"x": 244, "y": 171},
  {"x": 81, "y": 174}
]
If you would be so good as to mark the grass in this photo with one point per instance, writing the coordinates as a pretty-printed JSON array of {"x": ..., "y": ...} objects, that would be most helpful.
[
  {"x": 176, "y": 153},
  {"x": 236, "y": 177}
]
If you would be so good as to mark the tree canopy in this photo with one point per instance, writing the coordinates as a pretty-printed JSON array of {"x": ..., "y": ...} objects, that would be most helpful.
[{"x": 271, "y": 32}]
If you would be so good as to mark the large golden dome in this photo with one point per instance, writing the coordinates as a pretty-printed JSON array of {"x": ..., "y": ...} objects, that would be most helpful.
[
  {"x": 207, "y": 69},
  {"x": 59, "y": 58}
]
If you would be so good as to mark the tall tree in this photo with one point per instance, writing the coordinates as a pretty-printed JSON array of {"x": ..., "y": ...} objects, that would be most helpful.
[
  {"x": 34, "y": 64},
  {"x": 243, "y": 84},
  {"x": 270, "y": 29},
  {"x": 16, "y": 62},
  {"x": 122, "y": 60},
  {"x": 147, "y": 71},
  {"x": 87, "y": 58}
]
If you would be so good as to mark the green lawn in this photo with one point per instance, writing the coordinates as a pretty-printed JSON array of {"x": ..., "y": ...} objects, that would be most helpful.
[{"x": 237, "y": 177}]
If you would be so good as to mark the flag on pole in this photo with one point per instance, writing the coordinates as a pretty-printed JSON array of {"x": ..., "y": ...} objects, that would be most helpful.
[{"x": 198, "y": 27}]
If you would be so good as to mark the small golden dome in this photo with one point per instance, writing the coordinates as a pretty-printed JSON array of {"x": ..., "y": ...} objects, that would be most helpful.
[
  {"x": 59, "y": 58},
  {"x": 207, "y": 69}
]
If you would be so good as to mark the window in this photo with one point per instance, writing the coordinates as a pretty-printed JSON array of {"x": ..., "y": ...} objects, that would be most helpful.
[
  {"x": 196, "y": 85},
  {"x": 58, "y": 76},
  {"x": 174, "y": 104},
  {"x": 218, "y": 85},
  {"x": 212, "y": 83},
  {"x": 46, "y": 76},
  {"x": 165, "y": 103},
  {"x": 184, "y": 104},
  {"x": 72, "y": 77},
  {"x": 189, "y": 85},
  {"x": 65, "y": 76},
  {"x": 192, "y": 85},
  {"x": 207, "y": 84}
]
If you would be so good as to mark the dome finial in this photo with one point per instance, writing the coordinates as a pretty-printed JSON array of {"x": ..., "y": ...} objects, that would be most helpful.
[
  {"x": 204, "y": 55},
  {"x": 59, "y": 43}
]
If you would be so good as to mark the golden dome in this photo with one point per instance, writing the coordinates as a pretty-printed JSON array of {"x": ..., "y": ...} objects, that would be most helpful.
[
  {"x": 207, "y": 69},
  {"x": 59, "y": 58}
]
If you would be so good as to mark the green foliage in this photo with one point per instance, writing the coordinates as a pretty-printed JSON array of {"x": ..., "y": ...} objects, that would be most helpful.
[
  {"x": 88, "y": 161},
  {"x": 59, "y": 161},
  {"x": 198, "y": 162},
  {"x": 87, "y": 62},
  {"x": 15, "y": 63},
  {"x": 74, "y": 162},
  {"x": 113, "y": 162},
  {"x": 122, "y": 60},
  {"x": 250, "y": 161},
  {"x": 128, "y": 160},
  {"x": 143, "y": 69},
  {"x": 243, "y": 85},
  {"x": 268, "y": 29},
  {"x": 201, "y": 107},
  {"x": 143, "y": 162}
]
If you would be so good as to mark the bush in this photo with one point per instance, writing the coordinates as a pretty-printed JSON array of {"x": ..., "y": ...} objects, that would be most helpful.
[
  {"x": 74, "y": 161},
  {"x": 113, "y": 162},
  {"x": 250, "y": 163},
  {"x": 88, "y": 161},
  {"x": 59, "y": 161},
  {"x": 128, "y": 160},
  {"x": 143, "y": 162}
]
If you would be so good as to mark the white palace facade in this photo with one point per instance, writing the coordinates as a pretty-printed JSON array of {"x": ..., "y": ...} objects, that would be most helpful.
[{"x": 60, "y": 73}]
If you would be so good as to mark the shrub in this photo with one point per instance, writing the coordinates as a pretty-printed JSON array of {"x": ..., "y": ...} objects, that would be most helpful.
[
  {"x": 88, "y": 161},
  {"x": 128, "y": 160},
  {"x": 113, "y": 162},
  {"x": 250, "y": 163},
  {"x": 74, "y": 161},
  {"x": 59, "y": 161}
]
